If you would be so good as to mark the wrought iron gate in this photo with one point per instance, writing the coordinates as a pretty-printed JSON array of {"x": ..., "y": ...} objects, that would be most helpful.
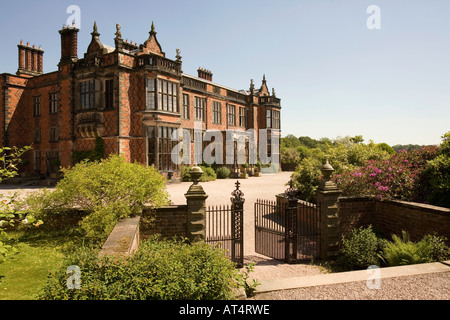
[
  {"x": 225, "y": 227},
  {"x": 287, "y": 229}
]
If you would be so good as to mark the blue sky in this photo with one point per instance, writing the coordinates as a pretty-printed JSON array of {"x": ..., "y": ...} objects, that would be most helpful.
[{"x": 335, "y": 76}]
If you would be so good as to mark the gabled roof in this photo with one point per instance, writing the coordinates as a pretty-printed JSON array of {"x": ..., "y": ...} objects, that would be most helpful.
[
  {"x": 96, "y": 45},
  {"x": 264, "y": 90},
  {"x": 151, "y": 45}
]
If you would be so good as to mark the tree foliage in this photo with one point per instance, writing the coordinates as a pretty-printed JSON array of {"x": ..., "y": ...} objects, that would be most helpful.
[
  {"x": 343, "y": 153},
  {"x": 370, "y": 169},
  {"x": 434, "y": 182},
  {"x": 10, "y": 158},
  {"x": 394, "y": 177}
]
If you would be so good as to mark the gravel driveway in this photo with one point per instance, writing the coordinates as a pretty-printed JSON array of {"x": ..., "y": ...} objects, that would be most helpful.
[{"x": 433, "y": 286}]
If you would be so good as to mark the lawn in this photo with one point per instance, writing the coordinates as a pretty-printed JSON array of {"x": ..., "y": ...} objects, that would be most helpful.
[{"x": 40, "y": 252}]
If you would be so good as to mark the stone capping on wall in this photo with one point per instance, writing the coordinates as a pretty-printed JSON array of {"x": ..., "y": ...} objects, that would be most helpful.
[
  {"x": 123, "y": 240},
  {"x": 356, "y": 199},
  {"x": 421, "y": 206},
  {"x": 414, "y": 205}
]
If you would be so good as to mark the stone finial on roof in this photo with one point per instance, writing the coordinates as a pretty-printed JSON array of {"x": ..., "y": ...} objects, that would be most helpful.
[
  {"x": 95, "y": 32},
  {"x": 118, "y": 32},
  {"x": 252, "y": 86},
  {"x": 152, "y": 31}
]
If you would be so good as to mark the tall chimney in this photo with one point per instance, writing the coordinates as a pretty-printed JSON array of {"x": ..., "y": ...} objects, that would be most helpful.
[
  {"x": 205, "y": 74},
  {"x": 28, "y": 58},
  {"x": 31, "y": 60},
  {"x": 69, "y": 44},
  {"x": 34, "y": 56},
  {"x": 40, "y": 66},
  {"x": 21, "y": 56}
]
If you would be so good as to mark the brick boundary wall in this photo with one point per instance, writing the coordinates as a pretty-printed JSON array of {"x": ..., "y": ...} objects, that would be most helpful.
[
  {"x": 393, "y": 216},
  {"x": 170, "y": 221},
  {"x": 355, "y": 213},
  {"x": 418, "y": 219}
]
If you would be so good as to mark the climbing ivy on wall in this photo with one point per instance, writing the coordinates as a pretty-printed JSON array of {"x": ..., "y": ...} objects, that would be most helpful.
[{"x": 95, "y": 154}]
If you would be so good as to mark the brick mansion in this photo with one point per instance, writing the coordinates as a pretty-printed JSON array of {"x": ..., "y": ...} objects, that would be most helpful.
[{"x": 131, "y": 96}]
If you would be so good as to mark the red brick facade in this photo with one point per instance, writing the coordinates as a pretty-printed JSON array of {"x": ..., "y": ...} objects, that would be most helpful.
[{"x": 130, "y": 95}]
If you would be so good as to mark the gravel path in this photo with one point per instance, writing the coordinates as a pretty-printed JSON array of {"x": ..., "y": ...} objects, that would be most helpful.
[{"x": 432, "y": 286}]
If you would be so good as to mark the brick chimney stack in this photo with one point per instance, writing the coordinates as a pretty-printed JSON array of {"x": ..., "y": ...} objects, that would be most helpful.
[
  {"x": 69, "y": 44},
  {"x": 205, "y": 74},
  {"x": 31, "y": 60}
]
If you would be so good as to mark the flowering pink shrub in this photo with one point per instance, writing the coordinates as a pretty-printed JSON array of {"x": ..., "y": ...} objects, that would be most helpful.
[{"x": 394, "y": 178}]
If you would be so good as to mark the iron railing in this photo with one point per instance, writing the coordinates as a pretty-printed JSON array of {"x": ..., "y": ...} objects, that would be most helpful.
[
  {"x": 225, "y": 227},
  {"x": 287, "y": 229}
]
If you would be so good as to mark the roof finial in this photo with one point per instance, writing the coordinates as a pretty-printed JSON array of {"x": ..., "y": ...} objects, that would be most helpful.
[
  {"x": 118, "y": 32},
  {"x": 95, "y": 32},
  {"x": 264, "y": 78},
  {"x": 153, "y": 32}
]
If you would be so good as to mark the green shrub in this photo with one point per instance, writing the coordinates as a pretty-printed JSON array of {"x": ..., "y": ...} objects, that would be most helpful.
[
  {"x": 438, "y": 248},
  {"x": 160, "y": 269},
  {"x": 243, "y": 279},
  {"x": 208, "y": 174},
  {"x": 363, "y": 248},
  {"x": 223, "y": 173},
  {"x": 185, "y": 174},
  {"x": 107, "y": 191},
  {"x": 402, "y": 251},
  {"x": 360, "y": 249}
]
